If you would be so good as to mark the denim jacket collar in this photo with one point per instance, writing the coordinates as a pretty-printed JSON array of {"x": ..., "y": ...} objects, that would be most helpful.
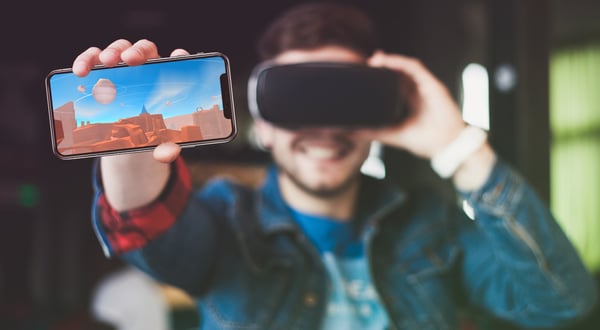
[{"x": 376, "y": 198}]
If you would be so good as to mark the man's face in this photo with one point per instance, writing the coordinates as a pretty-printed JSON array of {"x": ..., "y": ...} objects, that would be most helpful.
[{"x": 323, "y": 161}]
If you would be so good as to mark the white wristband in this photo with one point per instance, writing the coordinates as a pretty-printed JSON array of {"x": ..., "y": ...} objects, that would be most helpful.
[{"x": 447, "y": 161}]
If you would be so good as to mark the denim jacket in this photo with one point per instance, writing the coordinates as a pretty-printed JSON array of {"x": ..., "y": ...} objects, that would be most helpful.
[{"x": 239, "y": 253}]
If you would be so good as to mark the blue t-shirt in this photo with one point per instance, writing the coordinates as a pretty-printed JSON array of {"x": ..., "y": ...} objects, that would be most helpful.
[{"x": 353, "y": 303}]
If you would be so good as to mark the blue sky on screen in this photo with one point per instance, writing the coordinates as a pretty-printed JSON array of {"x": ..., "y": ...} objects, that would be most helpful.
[{"x": 167, "y": 88}]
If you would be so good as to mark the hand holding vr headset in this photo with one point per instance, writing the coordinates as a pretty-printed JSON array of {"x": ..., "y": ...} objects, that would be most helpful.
[
  {"x": 433, "y": 127},
  {"x": 393, "y": 96}
]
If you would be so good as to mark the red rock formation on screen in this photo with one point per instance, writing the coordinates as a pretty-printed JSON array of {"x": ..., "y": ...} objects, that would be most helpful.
[{"x": 140, "y": 131}]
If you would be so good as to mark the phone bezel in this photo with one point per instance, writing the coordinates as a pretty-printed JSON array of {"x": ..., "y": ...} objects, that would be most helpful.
[{"x": 226, "y": 99}]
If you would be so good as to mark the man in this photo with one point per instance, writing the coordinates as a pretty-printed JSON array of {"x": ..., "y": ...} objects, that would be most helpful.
[{"x": 319, "y": 246}]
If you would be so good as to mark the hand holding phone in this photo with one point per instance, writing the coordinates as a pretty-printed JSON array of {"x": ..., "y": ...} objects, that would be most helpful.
[{"x": 114, "y": 108}]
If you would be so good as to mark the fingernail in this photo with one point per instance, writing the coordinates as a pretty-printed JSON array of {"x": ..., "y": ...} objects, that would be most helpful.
[{"x": 79, "y": 67}]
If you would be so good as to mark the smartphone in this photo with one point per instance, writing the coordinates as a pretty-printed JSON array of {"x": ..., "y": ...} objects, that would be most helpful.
[{"x": 183, "y": 99}]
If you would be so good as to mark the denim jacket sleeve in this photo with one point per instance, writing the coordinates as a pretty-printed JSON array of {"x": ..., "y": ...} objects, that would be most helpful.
[
  {"x": 518, "y": 263},
  {"x": 174, "y": 239}
]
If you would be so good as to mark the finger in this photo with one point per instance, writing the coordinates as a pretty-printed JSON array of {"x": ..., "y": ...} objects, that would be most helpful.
[
  {"x": 167, "y": 152},
  {"x": 140, "y": 52},
  {"x": 85, "y": 61},
  {"x": 111, "y": 55},
  {"x": 409, "y": 66},
  {"x": 179, "y": 52},
  {"x": 382, "y": 59},
  {"x": 417, "y": 80},
  {"x": 409, "y": 69}
]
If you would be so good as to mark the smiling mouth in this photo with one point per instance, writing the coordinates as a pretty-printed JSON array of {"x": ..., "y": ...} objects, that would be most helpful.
[
  {"x": 321, "y": 147},
  {"x": 322, "y": 153},
  {"x": 324, "y": 150}
]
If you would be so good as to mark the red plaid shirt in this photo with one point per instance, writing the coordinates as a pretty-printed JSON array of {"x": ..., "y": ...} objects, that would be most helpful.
[{"x": 132, "y": 229}]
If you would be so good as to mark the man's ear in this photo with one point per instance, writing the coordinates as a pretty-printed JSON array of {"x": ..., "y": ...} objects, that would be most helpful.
[{"x": 264, "y": 134}]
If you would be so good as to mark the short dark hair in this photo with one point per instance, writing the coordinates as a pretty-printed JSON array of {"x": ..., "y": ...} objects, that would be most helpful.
[{"x": 314, "y": 25}]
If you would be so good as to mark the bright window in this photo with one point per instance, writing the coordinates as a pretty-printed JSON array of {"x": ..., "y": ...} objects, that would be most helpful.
[{"x": 575, "y": 148}]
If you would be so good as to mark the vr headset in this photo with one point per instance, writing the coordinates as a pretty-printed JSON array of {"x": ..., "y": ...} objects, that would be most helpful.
[{"x": 325, "y": 94}]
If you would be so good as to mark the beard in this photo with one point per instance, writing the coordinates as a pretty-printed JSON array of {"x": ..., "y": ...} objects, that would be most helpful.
[
  {"x": 344, "y": 152},
  {"x": 324, "y": 191}
]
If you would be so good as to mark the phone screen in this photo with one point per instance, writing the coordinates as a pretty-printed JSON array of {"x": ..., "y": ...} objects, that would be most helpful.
[{"x": 185, "y": 99}]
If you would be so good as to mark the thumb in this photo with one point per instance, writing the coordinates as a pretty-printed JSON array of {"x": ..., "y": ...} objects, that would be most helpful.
[{"x": 167, "y": 152}]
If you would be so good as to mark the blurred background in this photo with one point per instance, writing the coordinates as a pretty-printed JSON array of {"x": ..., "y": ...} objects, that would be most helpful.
[{"x": 528, "y": 70}]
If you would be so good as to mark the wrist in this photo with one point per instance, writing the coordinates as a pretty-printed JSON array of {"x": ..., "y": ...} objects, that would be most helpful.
[
  {"x": 447, "y": 161},
  {"x": 474, "y": 172}
]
